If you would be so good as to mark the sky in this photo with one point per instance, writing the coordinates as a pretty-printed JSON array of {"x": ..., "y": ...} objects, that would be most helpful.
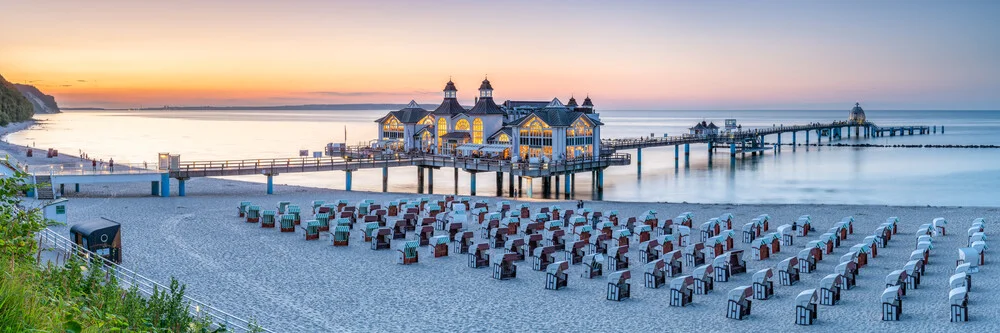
[{"x": 651, "y": 55}]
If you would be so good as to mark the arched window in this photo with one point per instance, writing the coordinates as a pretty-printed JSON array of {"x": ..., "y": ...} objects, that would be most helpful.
[
  {"x": 477, "y": 131},
  {"x": 462, "y": 125},
  {"x": 442, "y": 129},
  {"x": 428, "y": 121},
  {"x": 503, "y": 137},
  {"x": 535, "y": 129}
]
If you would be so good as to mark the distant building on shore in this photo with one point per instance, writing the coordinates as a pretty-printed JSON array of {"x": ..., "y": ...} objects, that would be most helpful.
[{"x": 515, "y": 130}]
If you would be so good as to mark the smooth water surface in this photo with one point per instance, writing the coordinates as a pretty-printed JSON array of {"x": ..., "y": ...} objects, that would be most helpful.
[{"x": 897, "y": 176}]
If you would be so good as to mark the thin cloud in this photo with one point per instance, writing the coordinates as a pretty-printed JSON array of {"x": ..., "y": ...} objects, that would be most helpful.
[
  {"x": 369, "y": 93},
  {"x": 81, "y": 81}
]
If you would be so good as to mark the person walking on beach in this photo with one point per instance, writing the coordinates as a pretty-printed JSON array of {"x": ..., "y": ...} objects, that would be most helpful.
[{"x": 111, "y": 165}]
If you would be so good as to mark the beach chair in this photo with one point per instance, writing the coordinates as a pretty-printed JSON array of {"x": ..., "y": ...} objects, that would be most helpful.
[
  {"x": 726, "y": 220},
  {"x": 618, "y": 258},
  {"x": 369, "y": 231},
  {"x": 861, "y": 251},
  {"x": 516, "y": 246},
  {"x": 963, "y": 280},
  {"x": 805, "y": 307},
  {"x": 282, "y": 206},
  {"x": 787, "y": 235},
  {"x": 673, "y": 262},
  {"x": 324, "y": 221},
  {"x": 708, "y": 229},
  {"x": 704, "y": 279},
  {"x": 761, "y": 249},
  {"x": 524, "y": 210},
  {"x": 749, "y": 233},
  {"x": 242, "y": 208},
  {"x": 583, "y": 232},
  {"x": 575, "y": 251},
  {"x": 714, "y": 247},
  {"x": 253, "y": 214},
  {"x": 720, "y": 265},
  {"x": 765, "y": 222},
  {"x": 287, "y": 223},
  {"x": 439, "y": 246},
  {"x": 973, "y": 256},
  {"x": 267, "y": 219},
  {"x": 320, "y": 207},
  {"x": 739, "y": 303},
  {"x": 830, "y": 240},
  {"x": 649, "y": 250},
  {"x": 965, "y": 268},
  {"x": 363, "y": 208},
  {"x": 897, "y": 278},
  {"x": 503, "y": 267},
  {"x": 807, "y": 259},
  {"x": 763, "y": 287},
  {"x": 598, "y": 243},
  {"x": 829, "y": 289},
  {"x": 296, "y": 213},
  {"x": 643, "y": 232},
  {"x": 556, "y": 212},
  {"x": 737, "y": 265},
  {"x": 694, "y": 254},
  {"x": 453, "y": 229},
  {"x": 685, "y": 219},
  {"x": 543, "y": 256},
  {"x": 502, "y": 206},
  {"x": 408, "y": 253},
  {"x": 913, "y": 269},
  {"x": 424, "y": 235},
  {"x": 341, "y": 235},
  {"x": 532, "y": 228},
  {"x": 892, "y": 303},
  {"x": 959, "y": 300},
  {"x": 802, "y": 226},
  {"x": 939, "y": 225},
  {"x": 499, "y": 236},
  {"x": 479, "y": 255},
  {"x": 820, "y": 244},
  {"x": 463, "y": 241},
  {"x": 681, "y": 290},
  {"x": 655, "y": 276},
  {"x": 555, "y": 238},
  {"x": 555, "y": 275},
  {"x": 312, "y": 230},
  {"x": 849, "y": 272},
  {"x": 533, "y": 242},
  {"x": 682, "y": 234},
  {"x": 788, "y": 271},
  {"x": 619, "y": 286},
  {"x": 620, "y": 237},
  {"x": 594, "y": 265},
  {"x": 382, "y": 239},
  {"x": 976, "y": 237},
  {"x": 664, "y": 227}
]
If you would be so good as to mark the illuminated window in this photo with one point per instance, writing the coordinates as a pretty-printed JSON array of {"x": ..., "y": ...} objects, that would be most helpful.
[
  {"x": 503, "y": 137},
  {"x": 428, "y": 121},
  {"x": 442, "y": 130},
  {"x": 462, "y": 125},
  {"x": 477, "y": 131}
]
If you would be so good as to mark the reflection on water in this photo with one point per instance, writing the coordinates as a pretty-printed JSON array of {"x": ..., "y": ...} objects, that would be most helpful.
[{"x": 794, "y": 175}]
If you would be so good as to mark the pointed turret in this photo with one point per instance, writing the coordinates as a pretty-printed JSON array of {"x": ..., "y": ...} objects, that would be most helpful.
[
  {"x": 587, "y": 103},
  {"x": 449, "y": 90},
  {"x": 572, "y": 102},
  {"x": 485, "y": 89}
]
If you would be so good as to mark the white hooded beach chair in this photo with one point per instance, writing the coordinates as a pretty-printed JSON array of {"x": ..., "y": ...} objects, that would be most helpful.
[
  {"x": 704, "y": 279},
  {"x": 726, "y": 220},
  {"x": 594, "y": 264},
  {"x": 463, "y": 241},
  {"x": 439, "y": 246},
  {"x": 682, "y": 234},
  {"x": 575, "y": 251},
  {"x": 787, "y": 235},
  {"x": 939, "y": 225},
  {"x": 897, "y": 278},
  {"x": 619, "y": 285},
  {"x": 517, "y": 247},
  {"x": 805, "y": 307},
  {"x": 720, "y": 265},
  {"x": 763, "y": 287},
  {"x": 965, "y": 268},
  {"x": 749, "y": 232},
  {"x": 618, "y": 258},
  {"x": 959, "y": 300},
  {"x": 479, "y": 255},
  {"x": 555, "y": 275},
  {"x": 408, "y": 253},
  {"x": 829, "y": 289},
  {"x": 555, "y": 237},
  {"x": 957, "y": 280},
  {"x": 649, "y": 250},
  {"x": 681, "y": 290},
  {"x": 643, "y": 232},
  {"x": 892, "y": 303},
  {"x": 882, "y": 235},
  {"x": 977, "y": 237},
  {"x": 694, "y": 254},
  {"x": 739, "y": 303},
  {"x": 620, "y": 237},
  {"x": 655, "y": 274},
  {"x": 849, "y": 272},
  {"x": 673, "y": 262},
  {"x": 503, "y": 267},
  {"x": 808, "y": 258},
  {"x": 542, "y": 257},
  {"x": 788, "y": 271}
]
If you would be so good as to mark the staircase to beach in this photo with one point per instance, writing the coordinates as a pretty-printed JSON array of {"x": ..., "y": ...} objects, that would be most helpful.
[{"x": 44, "y": 190}]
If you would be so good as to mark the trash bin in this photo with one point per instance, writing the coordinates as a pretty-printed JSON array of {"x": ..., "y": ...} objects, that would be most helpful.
[{"x": 30, "y": 152}]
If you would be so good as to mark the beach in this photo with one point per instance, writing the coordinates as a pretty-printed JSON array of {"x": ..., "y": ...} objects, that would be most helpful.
[{"x": 289, "y": 284}]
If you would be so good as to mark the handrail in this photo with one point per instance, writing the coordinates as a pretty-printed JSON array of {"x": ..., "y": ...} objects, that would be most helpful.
[{"x": 144, "y": 285}]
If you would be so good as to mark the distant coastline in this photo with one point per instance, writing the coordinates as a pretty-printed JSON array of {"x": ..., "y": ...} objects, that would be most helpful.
[{"x": 332, "y": 107}]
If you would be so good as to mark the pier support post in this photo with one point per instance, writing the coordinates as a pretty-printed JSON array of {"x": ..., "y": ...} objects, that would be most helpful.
[
  {"x": 155, "y": 188},
  {"x": 600, "y": 183},
  {"x": 164, "y": 185},
  {"x": 270, "y": 184},
  {"x": 778, "y": 147},
  {"x": 807, "y": 138},
  {"x": 531, "y": 186},
  {"x": 793, "y": 140},
  {"x": 347, "y": 186},
  {"x": 456, "y": 181},
  {"x": 545, "y": 187},
  {"x": 385, "y": 180},
  {"x": 572, "y": 183},
  {"x": 510, "y": 184},
  {"x": 556, "y": 188},
  {"x": 677, "y": 153},
  {"x": 732, "y": 150},
  {"x": 472, "y": 183},
  {"x": 420, "y": 180},
  {"x": 638, "y": 164},
  {"x": 499, "y": 184},
  {"x": 942, "y": 129},
  {"x": 935, "y": 129},
  {"x": 520, "y": 186},
  {"x": 687, "y": 152},
  {"x": 430, "y": 180},
  {"x": 77, "y": 190},
  {"x": 566, "y": 182},
  {"x": 181, "y": 189}
]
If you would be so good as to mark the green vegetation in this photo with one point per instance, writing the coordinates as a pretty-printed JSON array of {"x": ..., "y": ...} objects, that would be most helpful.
[
  {"x": 76, "y": 296},
  {"x": 13, "y": 106}
]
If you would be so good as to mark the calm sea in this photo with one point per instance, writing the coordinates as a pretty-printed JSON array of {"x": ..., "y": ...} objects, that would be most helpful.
[{"x": 895, "y": 176}]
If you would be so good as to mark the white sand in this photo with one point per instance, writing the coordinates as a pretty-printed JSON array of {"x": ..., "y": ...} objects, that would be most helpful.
[{"x": 293, "y": 285}]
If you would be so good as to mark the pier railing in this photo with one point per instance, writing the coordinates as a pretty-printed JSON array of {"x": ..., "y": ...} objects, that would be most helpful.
[
  {"x": 51, "y": 240},
  {"x": 632, "y": 143},
  {"x": 88, "y": 169}
]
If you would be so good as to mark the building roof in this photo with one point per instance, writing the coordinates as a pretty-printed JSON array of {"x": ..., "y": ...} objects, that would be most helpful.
[
  {"x": 505, "y": 130},
  {"x": 457, "y": 135},
  {"x": 449, "y": 106},
  {"x": 450, "y": 86},
  {"x": 712, "y": 126},
  {"x": 857, "y": 113},
  {"x": 411, "y": 114},
  {"x": 556, "y": 104},
  {"x": 486, "y": 105},
  {"x": 587, "y": 102},
  {"x": 556, "y": 117},
  {"x": 55, "y": 202},
  {"x": 572, "y": 102},
  {"x": 485, "y": 85},
  {"x": 524, "y": 104},
  {"x": 699, "y": 126}
]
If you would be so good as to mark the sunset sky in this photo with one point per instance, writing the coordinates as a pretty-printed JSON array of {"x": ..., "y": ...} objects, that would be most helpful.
[{"x": 625, "y": 54}]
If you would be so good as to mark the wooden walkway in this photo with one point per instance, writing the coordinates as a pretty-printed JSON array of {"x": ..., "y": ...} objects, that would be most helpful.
[{"x": 737, "y": 137}]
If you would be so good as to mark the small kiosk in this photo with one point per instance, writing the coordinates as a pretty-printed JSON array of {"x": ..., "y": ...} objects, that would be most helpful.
[{"x": 102, "y": 237}]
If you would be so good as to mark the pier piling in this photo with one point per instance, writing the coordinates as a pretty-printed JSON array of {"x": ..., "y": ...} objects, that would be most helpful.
[
  {"x": 456, "y": 181},
  {"x": 420, "y": 180},
  {"x": 499, "y": 184},
  {"x": 472, "y": 183},
  {"x": 385, "y": 179},
  {"x": 181, "y": 187},
  {"x": 430, "y": 180},
  {"x": 638, "y": 163},
  {"x": 510, "y": 184},
  {"x": 347, "y": 186},
  {"x": 164, "y": 185},
  {"x": 155, "y": 188}
]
